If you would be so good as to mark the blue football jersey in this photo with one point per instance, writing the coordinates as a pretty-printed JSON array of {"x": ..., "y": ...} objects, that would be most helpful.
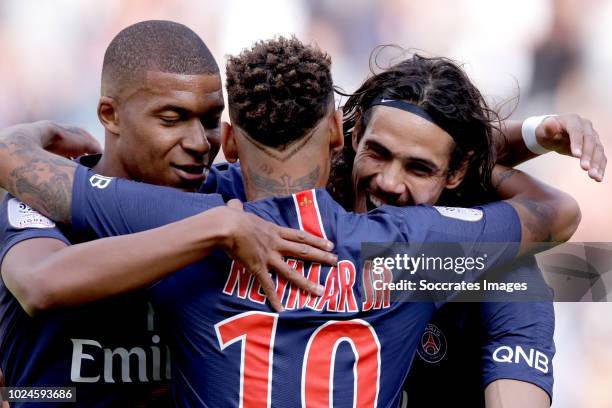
[
  {"x": 351, "y": 347},
  {"x": 466, "y": 346},
  {"x": 526, "y": 351},
  {"x": 225, "y": 179},
  {"x": 458, "y": 345},
  {"x": 111, "y": 351}
]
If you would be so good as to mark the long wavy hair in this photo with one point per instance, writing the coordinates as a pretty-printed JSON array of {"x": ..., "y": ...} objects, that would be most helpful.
[{"x": 440, "y": 87}]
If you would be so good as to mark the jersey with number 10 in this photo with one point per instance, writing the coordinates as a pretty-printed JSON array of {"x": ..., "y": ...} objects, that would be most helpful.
[
  {"x": 350, "y": 347},
  {"x": 461, "y": 346}
]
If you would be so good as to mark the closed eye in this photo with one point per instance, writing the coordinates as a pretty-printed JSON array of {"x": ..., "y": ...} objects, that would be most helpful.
[
  {"x": 378, "y": 149},
  {"x": 419, "y": 168}
]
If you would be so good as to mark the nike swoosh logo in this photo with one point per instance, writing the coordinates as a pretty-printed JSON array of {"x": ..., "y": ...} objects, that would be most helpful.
[{"x": 387, "y": 100}]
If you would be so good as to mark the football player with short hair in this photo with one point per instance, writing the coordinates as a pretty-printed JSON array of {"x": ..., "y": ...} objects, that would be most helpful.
[{"x": 160, "y": 105}]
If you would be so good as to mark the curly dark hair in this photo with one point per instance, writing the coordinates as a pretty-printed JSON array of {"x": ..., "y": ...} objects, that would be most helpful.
[
  {"x": 443, "y": 90},
  {"x": 279, "y": 90}
]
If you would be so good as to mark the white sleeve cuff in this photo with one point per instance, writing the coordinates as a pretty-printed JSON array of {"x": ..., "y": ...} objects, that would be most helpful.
[{"x": 529, "y": 135}]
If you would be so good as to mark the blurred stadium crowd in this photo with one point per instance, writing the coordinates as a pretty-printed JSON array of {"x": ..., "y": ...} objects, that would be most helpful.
[{"x": 529, "y": 57}]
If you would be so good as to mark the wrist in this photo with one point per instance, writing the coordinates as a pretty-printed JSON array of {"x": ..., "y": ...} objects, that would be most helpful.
[
  {"x": 528, "y": 132},
  {"x": 219, "y": 225}
]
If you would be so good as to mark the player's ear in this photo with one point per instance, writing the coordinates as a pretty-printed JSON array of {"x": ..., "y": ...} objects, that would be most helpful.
[
  {"x": 336, "y": 140},
  {"x": 228, "y": 142},
  {"x": 455, "y": 178},
  {"x": 108, "y": 114}
]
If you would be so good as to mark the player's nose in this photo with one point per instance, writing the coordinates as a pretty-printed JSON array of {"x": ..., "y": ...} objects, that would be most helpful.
[
  {"x": 390, "y": 180},
  {"x": 195, "y": 140}
]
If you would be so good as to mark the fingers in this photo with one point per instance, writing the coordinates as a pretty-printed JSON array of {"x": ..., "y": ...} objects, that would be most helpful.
[
  {"x": 306, "y": 252},
  {"x": 572, "y": 126},
  {"x": 76, "y": 141},
  {"x": 267, "y": 285},
  {"x": 305, "y": 238},
  {"x": 235, "y": 204},
  {"x": 588, "y": 148},
  {"x": 90, "y": 144},
  {"x": 581, "y": 138},
  {"x": 94, "y": 147},
  {"x": 276, "y": 242},
  {"x": 297, "y": 279},
  {"x": 585, "y": 143},
  {"x": 598, "y": 164},
  {"x": 549, "y": 129}
]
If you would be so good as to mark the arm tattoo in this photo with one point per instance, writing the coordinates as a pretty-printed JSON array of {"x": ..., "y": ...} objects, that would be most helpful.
[
  {"x": 541, "y": 217},
  {"x": 505, "y": 176},
  {"x": 284, "y": 185},
  {"x": 36, "y": 177},
  {"x": 538, "y": 218}
]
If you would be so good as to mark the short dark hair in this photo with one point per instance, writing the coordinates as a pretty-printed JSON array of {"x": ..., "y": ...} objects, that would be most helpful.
[
  {"x": 278, "y": 90},
  {"x": 444, "y": 91},
  {"x": 155, "y": 45}
]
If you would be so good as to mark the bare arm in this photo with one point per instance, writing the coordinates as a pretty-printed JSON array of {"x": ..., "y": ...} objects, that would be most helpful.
[
  {"x": 515, "y": 394},
  {"x": 44, "y": 273},
  {"x": 33, "y": 175},
  {"x": 546, "y": 214},
  {"x": 569, "y": 135}
]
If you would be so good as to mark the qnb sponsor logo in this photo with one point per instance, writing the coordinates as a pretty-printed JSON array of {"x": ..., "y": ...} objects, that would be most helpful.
[
  {"x": 99, "y": 181},
  {"x": 533, "y": 358}
]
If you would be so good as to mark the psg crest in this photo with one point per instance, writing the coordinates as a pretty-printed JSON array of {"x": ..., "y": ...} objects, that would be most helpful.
[{"x": 432, "y": 347}]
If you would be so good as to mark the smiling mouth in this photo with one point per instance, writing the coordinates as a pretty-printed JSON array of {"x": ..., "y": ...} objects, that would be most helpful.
[
  {"x": 191, "y": 172},
  {"x": 373, "y": 202}
]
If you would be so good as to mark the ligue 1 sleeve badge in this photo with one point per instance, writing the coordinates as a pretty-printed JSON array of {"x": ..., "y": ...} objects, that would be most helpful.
[
  {"x": 22, "y": 216},
  {"x": 432, "y": 346}
]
